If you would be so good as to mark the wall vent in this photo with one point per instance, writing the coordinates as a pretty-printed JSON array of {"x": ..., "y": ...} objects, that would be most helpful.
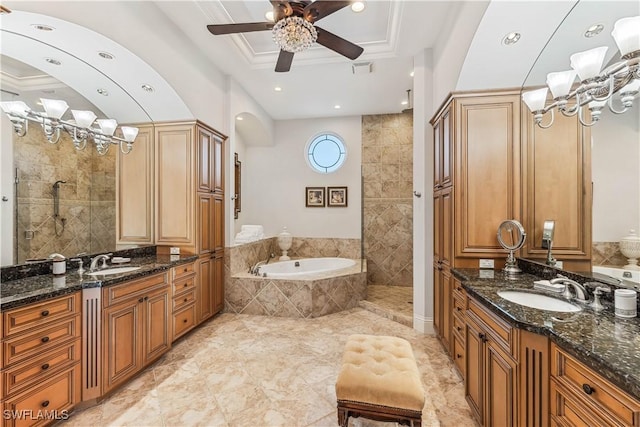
[{"x": 361, "y": 67}]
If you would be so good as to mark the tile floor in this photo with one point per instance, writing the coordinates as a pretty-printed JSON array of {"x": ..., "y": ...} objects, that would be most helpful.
[
  {"x": 393, "y": 302},
  {"x": 242, "y": 370}
]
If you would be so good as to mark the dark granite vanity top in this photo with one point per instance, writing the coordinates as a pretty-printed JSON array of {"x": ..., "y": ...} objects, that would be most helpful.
[
  {"x": 607, "y": 344},
  {"x": 27, "y": 290}
]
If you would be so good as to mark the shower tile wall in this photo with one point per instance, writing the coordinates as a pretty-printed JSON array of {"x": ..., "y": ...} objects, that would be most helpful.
[
  {"x": 87, "y": 199},
  {"x": 607, "y": 253},
  {"x": 387, "y": 168}
]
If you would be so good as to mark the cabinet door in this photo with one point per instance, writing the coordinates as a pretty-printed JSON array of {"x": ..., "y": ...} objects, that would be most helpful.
[
  {"x": 437, "y": 154},
  {"x": 205, "y": 158},
  {"x": 218, "y": 222},
  {"x": 134, "y": 191},
  {"x": 156, "y": 325},
  {"x": 437, "y": 299},
  {"x": 446, "y": 145},
  {"x": 218, "y": 283},
  {"x": 487, "y": 171},
  {"x": 446, "y": 322},
  {"x": 122, "y": 343},
  {"x": 437, "y": 226},
  {"x": 474, "y": 368},
  {"x": 218, "y": 164},
  {"x": 206, "y": 223},
  {"x": 447, "y": 227},
  {"x": 175, "y": 163},
  {"x": 205, "y": 288},
  {"x": 558, "y": 158},
  {"x": 501, "y": 387}
]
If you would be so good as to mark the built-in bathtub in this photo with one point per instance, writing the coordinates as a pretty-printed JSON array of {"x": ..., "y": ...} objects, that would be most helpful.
[
  {"x": 629, "y": 278},
  {"x": 314, "y": 288},
  {"x": 306, "y": 267}
]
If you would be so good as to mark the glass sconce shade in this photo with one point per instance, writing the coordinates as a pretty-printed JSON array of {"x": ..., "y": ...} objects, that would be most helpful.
[
  {"x": 84, "y": 119},
  {"x": 14, "y": 108},
  {"x": 129, "y": 133},
  {"x": 588, "y": 63},
  {"x": 560, "y": 83},
  {"x": 535, "y": 99},
  {"x": 107, "y": 126},
  {"x": 54, "y": 108},
  {"x": 631, "y": 88},
  {"x": 626, "y": 33}
]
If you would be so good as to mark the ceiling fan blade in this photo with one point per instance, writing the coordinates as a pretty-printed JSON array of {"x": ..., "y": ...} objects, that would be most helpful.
[
  {"x": 284, "y": 61},
  {"x": 338, "y": 44},
  {"x": 218, "y": 29},
  {"x": 322, "y": 8}
]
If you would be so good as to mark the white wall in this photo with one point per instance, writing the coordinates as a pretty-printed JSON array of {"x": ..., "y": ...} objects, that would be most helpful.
[
  {"x": 240, "y": 148},
  {"x": 276, "y": 178},
  {"x": 423, "y": 109},
  {"x": 616, "y": 175},
  {"x": 7, "y": 190}
]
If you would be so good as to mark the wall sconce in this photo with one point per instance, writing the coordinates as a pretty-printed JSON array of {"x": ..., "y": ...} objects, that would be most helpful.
[
  {"x": 596, "y": 88},
  {"x": 79, "y": 129}
]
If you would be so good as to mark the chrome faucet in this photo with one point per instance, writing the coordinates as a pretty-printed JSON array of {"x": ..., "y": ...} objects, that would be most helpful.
[
  {"x": 96, "y": 259},
  {"x": 582, "y": 294},
  {"x": 255, "y": 270}
]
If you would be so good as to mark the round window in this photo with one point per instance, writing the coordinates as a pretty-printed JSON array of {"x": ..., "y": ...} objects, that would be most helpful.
[{"x": 326, "y": 153}]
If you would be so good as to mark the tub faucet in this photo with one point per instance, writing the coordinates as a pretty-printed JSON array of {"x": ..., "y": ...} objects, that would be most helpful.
[
  {"x": 582, "y": 294},
  {"x": 255, "y": 270}
]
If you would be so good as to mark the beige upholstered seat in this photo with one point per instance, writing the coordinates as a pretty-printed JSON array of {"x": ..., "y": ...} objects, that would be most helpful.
[{"x": 380, "y": 371}]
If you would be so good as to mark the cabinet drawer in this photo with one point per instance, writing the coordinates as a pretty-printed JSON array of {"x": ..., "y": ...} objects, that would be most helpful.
[
  {"x": 184, "y": 285},
  {"x": 604, "y": 398},
  {"x": 36, "y": 371},
  {"x": 183, "y": 270},
  {"x": 134, "y": 288},
  {"x": 459, "y": 292},
  {"x": 458, "y": 354},
  {"x": 183, "y": 300},
  {"x": 42, "y": 403},
  {"x": 459, "y": 305},
  {"x": 502, "y": 333},
  {"x": 458, "y": 324},
  {"x": 566, "y": 409},
  {"x": 22, "y": 346},
  {"x": 33, "y": 315},
  {"x": 184, "y": 320}
]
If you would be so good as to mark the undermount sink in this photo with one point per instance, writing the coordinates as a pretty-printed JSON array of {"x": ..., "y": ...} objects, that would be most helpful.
[
  {"x": 114, "y": 270},
  {"x": 539, "y": 301}
]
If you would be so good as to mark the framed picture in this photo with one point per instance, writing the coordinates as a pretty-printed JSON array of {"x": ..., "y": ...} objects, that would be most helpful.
[
  {"x": 314, "y": 197},
  {"x": 337, "y": 197}
]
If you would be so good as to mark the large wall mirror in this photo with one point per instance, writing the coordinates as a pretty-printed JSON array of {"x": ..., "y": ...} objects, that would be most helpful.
[{"x": 615, "y": 145}]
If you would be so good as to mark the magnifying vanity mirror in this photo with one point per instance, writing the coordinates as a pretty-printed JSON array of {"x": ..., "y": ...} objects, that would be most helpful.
[{"x": 511, "y": 236}]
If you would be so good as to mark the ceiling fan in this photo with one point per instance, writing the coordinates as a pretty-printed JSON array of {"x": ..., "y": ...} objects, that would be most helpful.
[{"x": 294, "y": 30}]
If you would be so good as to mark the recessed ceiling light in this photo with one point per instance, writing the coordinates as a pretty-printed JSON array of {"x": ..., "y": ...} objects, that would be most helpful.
[
  {"x": 268, "y": 15},
  {"x": 53, "y": 61},
  {"x": 511, "y": 38},
  {"x": 277, "y": 89},
  {"x": 105, "y": 55},
  {"x": 240, "y": 118},
  {"x": 42, "y": 27},
  {"x": 147, "y": 88},
  {"x": 411, "y": 73},
  {"x": 337, "y": 107},
  {"x": 102, "y": 91},
  {"x": 357, "y": 6},
  {"x": 404, "y": 102},
  {"x": 593, "y": 30}
]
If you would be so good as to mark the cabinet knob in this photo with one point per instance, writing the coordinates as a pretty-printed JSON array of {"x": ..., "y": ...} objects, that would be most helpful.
[
  {"x": 141, "y": 299},
  {"x": 44, "y": 339},
  {"x": 146, "y": 298},
  {"x": 458, "y": 309},
  {"x": 458, "y": 328},
  {"x": 184, "y": 321},
  {"x": 186, "y": 299},
  {"x": 185, "y": 270},
  {"x": 459, "y": 356},
  {"x": 588, "y": 389},
  {"x": 45, "y": 404},
  {"x": 185, "y": 285},
  {"x": 482, "y": 336},
  {"x": 45, "y": 366},
  {"x": 45, "y": 313}
]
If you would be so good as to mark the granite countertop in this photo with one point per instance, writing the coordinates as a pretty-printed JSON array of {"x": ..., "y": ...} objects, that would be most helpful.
[
  {"x": 607, "y": 344},
  {"x": 14, "y": 293}
]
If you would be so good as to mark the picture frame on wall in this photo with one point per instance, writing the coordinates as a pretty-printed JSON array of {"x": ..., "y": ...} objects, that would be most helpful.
[
  {"x": 337, "y": 197},
  {"x": 314, "y": 197}
]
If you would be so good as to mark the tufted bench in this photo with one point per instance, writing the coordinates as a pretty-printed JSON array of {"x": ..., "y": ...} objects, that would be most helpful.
[{"x": 379, "y": 380}]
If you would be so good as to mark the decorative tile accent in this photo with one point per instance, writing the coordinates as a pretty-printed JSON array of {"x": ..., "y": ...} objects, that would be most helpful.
[{"x": 387, "y": 165}]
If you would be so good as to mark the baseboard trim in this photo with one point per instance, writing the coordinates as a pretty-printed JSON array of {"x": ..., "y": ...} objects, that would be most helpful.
[{"x": 423, "y": 324}]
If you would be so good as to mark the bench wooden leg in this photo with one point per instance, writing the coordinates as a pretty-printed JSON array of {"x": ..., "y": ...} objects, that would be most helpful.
[{"x": 343, "y": 416}]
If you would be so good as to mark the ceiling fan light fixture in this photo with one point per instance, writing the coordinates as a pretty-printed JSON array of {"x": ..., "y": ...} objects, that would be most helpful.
[
  {"x": 357, "y": 6},
  {"x": 294, "y": 34}
]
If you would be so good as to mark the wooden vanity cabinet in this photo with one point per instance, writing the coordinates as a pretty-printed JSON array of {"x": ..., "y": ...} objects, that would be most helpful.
[
  {"x": 458, "y": 324},
  {"x": 581, "y": 397},
  {"x": 184, "y": 311},
  {"x": 135, "y": 321},
  {"x": 491, "y": 376},
  {"x": 41, "y": 360}
]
